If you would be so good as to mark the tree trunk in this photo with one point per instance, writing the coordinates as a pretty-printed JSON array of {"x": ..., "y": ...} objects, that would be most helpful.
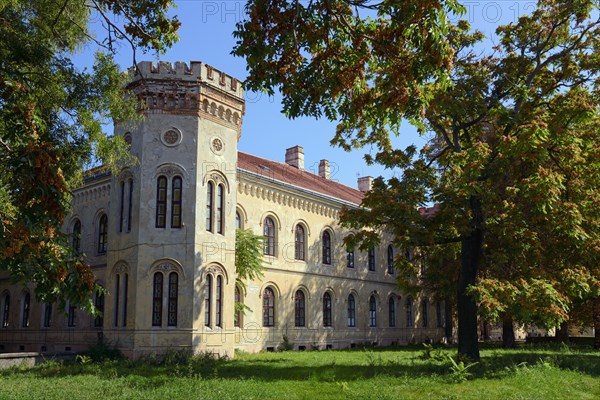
[
  {"x": 596, "y": 316},
  {"x": 468, "y": 343},
  {"x": 508, "y": 332},
  {"x": 562, "y": 333}
]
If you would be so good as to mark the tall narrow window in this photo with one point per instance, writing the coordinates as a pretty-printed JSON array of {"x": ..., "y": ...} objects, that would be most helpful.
[
  {"x": 76, "y": 238},
  {"x": 161, "y": 202},
  {"x": 326, "y": 248},
  {"x": 47, "y": 315},
  {"x": 121, "y": 205},
  {"x": 6, "y": 310},
  {"x": 350, "y": 258},
  {"x": 351, "y": 311},
  {"x": 99, "y": 304},
  {"x": 26, "y": 308},
  {"x": 371, "y": 259},
  {"x": 176, "y": 203},
  {"x": 221, "y": 209},
  {"x": 125, "y": 293},
  {"x": 425, "y": 313},
  {"x": 268, "y": 307},
  {"x": 299, "y": 243},
  {"x": 299, "y": 309},
  {"x": 157, "y": 295},
  {"x": 130, "y": 206},
  {"x": 218, "y": 302},
  {"x": 238, "y": 220},
  {"x": 269, "y": 237},
  {"x": 237, "y": 316},
  {"x": 438, "y": 315},
  {"x": 372, "y": 311},
  {"x": 209, "y": 206},
  {"x": 392, "y": 312},
  {"x": 102, "y": 233},
  {"x": 71, "y": 315},
  {"x": 390, "y": 259},
  {"x": 172, "y": 299},
  {"x": 118, "y": 298},
  {"x": 207, "y": 300},
  {"x": 327, "y": 310},
  {"x": 409, "y": 312}
]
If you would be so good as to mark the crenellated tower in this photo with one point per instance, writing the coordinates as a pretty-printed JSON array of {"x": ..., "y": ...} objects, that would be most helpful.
[{"x": 170, "y": 265}]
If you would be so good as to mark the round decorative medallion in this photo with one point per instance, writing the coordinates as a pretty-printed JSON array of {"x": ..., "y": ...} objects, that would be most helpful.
[
  {"x": 171, "y": 137},
  {"x": 217, "y": 145}
]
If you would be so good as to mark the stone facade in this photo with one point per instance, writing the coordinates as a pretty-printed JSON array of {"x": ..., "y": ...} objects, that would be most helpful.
[{"x": 160, "y": 238}]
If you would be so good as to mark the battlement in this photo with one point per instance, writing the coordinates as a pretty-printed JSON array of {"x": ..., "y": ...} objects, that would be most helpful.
[{"x": 196, "y": 72}]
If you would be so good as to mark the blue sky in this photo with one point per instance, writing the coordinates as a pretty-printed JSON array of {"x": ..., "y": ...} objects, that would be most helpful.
[{"x": 206, "y": 35}]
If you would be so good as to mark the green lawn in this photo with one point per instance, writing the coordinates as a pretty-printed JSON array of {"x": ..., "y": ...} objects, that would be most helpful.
[{"x": 388, "y": 373}]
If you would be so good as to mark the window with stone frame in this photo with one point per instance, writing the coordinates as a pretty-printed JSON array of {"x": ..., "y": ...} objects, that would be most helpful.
[
  {"x": 268, "y": 307},
  {"x": 299, "y": 309},
  {"x": 327, "y": 310}
]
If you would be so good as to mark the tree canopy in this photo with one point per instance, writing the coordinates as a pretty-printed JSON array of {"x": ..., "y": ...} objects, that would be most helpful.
[
  {"x": 513, "y": 162},
  {"x": 51, "y": 117}
]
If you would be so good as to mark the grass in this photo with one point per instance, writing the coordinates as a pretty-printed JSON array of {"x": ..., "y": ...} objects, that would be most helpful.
[{"x": 540, "y": 372}]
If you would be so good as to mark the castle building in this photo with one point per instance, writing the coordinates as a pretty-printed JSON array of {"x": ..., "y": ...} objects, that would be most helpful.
[{"x": 160, "y": 237}]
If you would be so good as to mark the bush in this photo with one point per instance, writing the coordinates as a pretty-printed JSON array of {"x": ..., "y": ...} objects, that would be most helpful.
[{"x": 102, "y": 351}]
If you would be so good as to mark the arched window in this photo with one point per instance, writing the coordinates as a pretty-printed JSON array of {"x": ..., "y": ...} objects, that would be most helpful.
[
  {"x": 176, "y": 193},
  {"x": 327, "y": 320},
  {"x": 326, "y": 248},
  {"x": 102, "y": 234},
  {"x": 26, "y": 308},
  {"x": 269, "y": 237},
  {"x": 121, "y": 306},
  {"x": 425, "y": 312},
  {"x": 372, "y": 311},
  {"x": 238, "y": 220},
  {"x": 300, "y": 242},
  {"x": 157, "y": 295},
  {"x": 409, "y": 312},
  {"x": 439, "y": 319},
  {"x": 208, "y": 301},
  {"x": 268, "y": 307},
  {"x": 390, "y": 259},
  {"x": 161, "y": 202},
  {"x": 221, "y": 209},
  {"x": 172, "y": 299},
  {"x": 218, "y": 300},
  {"x": 47, "y": 310},
  {"x": 121, "y": 205},
  {"x": 392, "y": 312},
  {"x": 299, "y": 309},
  {"x": 125, "y": 294},
  {"x": 351, "y": 311},
  {"x": 76, "y": 238},
  {"x": 99, "y": 304},
  {"x": 371, "y": 259},
  {"x": 209, "y": 206},
  {"x": 237, "y": 316},
  {"x": 5, "y": 310},
  {"x": 350, "y": 258},
  {"x": 130, "y": 206}
]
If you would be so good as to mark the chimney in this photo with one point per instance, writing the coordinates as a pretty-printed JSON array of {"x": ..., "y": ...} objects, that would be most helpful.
[
  {"x": 294, "y": 156},
  {"x": 365, "y": 183},
  {"x": 324, "y": 169}
]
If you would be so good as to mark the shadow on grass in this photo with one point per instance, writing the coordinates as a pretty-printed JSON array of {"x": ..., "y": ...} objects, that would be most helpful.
[{"x": 324, "y": 366}]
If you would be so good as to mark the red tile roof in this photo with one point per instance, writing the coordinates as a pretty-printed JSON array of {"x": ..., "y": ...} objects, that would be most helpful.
[{"x": 300, "y": 178}]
